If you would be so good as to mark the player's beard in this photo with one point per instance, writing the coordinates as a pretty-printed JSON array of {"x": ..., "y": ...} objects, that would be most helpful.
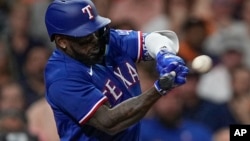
[{"x": 92, "y": 58}]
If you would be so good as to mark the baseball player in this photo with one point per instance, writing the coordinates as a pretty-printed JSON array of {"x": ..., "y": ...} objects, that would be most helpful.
[{"x": 91, "y": 79}]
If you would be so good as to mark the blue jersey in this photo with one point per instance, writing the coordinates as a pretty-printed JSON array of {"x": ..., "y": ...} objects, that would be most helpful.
[{"x": 75, "y": 91}]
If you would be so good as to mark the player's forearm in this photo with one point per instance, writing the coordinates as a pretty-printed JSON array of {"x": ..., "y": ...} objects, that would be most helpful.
[
  {"x": 128, "y": 112},
  {"x": 134, "y": 109}
]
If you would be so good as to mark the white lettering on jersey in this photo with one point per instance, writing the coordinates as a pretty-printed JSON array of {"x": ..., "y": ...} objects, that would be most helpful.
[
  {"x": 88, "y": 10},
  {"x": 116, "y": 93},
  {"x": 125, "y": 81},
  {"x": 132, "y": 72}
]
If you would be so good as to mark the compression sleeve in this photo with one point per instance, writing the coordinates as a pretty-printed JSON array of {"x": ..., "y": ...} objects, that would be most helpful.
[
  {"x": 142, "y": 46},
  {"x": 158, "y": 40}
]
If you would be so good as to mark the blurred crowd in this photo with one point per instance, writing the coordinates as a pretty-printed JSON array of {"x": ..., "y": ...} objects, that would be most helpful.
[{"x": 200, "y": 110}]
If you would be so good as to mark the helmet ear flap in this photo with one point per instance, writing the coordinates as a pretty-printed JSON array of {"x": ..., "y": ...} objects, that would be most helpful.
[
  {"x": 107, "y": 34},
  {"x": 103, "y": 38},
  {"x": 103, "y": 34}
]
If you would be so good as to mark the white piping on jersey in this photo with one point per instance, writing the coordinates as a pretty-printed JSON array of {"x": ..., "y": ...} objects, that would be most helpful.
[
  {"x": 139, "y": 46},
  {"x": 93, "y": 109}
]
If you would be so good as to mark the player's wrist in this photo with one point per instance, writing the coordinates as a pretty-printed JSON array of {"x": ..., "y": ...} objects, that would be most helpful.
[{"x": 164, "y": 51}]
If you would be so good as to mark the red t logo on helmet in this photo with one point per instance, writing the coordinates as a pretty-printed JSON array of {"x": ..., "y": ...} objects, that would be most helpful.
[{"x": 88, "y": 10}]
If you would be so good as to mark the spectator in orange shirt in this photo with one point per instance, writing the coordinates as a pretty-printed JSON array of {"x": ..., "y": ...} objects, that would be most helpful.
[{"x": 192, "y": 38}]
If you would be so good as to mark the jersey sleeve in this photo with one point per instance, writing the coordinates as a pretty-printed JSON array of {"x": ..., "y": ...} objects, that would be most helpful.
[
  {"x": 77, "y": 98},
  {"x": 128, "y": 42}
]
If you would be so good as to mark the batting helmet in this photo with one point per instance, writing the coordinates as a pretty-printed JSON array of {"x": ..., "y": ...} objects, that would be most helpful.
[{"x": 76, "y": 18}]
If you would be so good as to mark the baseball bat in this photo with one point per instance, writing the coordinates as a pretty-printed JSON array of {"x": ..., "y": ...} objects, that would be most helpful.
[{"x": 166, "y": 82}]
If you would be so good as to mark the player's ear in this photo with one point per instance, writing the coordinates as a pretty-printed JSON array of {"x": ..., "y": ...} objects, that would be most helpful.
[{"x": 61, "y": 42}]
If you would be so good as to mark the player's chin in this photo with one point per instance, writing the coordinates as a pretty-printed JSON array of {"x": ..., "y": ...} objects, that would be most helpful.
[{"x": 95, "y": 59}]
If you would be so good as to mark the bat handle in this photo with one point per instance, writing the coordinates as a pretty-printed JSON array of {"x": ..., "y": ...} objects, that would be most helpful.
[{"x": 165, "y": 83}]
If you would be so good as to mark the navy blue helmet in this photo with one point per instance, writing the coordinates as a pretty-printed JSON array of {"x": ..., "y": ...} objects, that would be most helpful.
[{"x": 76, "y": 18}]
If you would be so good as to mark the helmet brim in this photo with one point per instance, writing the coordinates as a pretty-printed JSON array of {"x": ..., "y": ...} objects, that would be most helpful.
[{"x": 90, "y": 27}]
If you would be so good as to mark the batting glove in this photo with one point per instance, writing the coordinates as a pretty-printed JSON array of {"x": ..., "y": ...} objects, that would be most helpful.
[{"x": 172, "y": 71}]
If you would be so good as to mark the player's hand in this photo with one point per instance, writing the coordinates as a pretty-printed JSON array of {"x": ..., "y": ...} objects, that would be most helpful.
[{"x": 170, "y": 67}]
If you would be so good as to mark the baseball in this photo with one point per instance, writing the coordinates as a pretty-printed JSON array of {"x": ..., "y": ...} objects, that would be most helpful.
[{"x": 202, "y": 63}]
